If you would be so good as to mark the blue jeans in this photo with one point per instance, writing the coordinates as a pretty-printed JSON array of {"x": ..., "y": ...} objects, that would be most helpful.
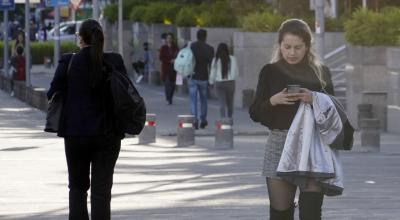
[{"x": 200, "y": 86}]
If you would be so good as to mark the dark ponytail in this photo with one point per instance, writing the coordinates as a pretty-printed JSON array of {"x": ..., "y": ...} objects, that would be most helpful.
[
  {"x": 92, "y": 34},
  {"x": 223, "y": 55}
]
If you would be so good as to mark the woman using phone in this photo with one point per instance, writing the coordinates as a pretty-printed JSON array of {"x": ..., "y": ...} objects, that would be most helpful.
[{"x": 294, "y": 62}]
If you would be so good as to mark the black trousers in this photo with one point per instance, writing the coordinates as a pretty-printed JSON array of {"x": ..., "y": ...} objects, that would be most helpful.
[
  {"x": 169, "y": 89},
  {"x": 225, "y": 92},
  {"x": 100, "y": 155}
]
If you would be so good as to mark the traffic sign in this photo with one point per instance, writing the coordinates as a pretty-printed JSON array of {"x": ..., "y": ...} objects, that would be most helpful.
[
  {"x": 7, "y": 4},
  {"x": 53, "y": 3}
]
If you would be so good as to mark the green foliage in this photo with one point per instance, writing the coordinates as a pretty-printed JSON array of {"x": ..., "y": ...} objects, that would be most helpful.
[
  {"x": 262, "y": 22},
  {"x": 10, "y": 43},
  {"x": 111, "y": 10},
  {"x": 160, "y": 12},
  {"x": 331, "y": 24},
  {"x": 111, "y": 13},
  {"x": 129, "y": 5},
  {"x": 369, "y": 28},
  {"x": 218, "y": 14},
  {"x": 39, "y": 50},
  {"x": 243, "y": 8},
  {"x": 137, "y": 13},
  {"x": 334, "y": 24},
  {"x": 186, "y": 17}
]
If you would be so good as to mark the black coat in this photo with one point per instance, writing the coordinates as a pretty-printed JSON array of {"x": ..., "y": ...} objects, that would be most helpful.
[{"x": 86, "y": 110}]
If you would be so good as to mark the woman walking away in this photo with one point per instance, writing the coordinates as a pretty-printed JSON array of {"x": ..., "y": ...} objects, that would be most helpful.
[
  {"x": 224, "y": 71},
  {"x": 92, "y": 143},
  {"x": 168, "y": 54},
  {"x": 294, "y": 63}
]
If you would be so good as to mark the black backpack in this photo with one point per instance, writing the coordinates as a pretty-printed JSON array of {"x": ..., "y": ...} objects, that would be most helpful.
[{"x": 129, "y": 108}]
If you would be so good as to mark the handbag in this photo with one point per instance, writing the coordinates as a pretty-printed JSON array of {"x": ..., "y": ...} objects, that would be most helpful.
[{"x": 55, "y": 106}]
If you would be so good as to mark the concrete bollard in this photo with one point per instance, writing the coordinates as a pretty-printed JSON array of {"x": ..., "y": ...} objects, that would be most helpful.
[
  {"x": 364, "y": 111},
  {"x": 185, "y": 130},
  {"x": 370, "y": 134},
  {"x": 224, "y": 134},
  {"x": 148, "y": 134}
]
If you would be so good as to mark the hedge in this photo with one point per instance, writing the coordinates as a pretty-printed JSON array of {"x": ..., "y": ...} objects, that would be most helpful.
[
  {"x": 187, "y": 17},
  {"x": 369, "y": 28},
  {"x": 262, "y": 22},
  {"x": 218, "y": 14},
  {"x": 160, "y": 12},
  {"x": 39, "y": 50},
  {"x": 111, "y": 10}
]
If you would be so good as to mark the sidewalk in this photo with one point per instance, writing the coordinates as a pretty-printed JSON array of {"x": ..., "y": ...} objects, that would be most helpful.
[
  {"x": 160, "y": 181},
  {"x": 167, "y": 114}
]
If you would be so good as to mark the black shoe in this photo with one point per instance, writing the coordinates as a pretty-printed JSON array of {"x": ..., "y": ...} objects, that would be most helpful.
[
  {"x": 196, "y": 125},
  {"x": 203, "y": 124}
]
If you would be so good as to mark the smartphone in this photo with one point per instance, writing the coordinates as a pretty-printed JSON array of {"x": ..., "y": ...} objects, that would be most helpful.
[{"x": 293, "y": 88}]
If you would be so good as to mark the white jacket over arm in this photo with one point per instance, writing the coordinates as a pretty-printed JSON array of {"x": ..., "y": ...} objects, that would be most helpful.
[{"x": 307, "y": 154}]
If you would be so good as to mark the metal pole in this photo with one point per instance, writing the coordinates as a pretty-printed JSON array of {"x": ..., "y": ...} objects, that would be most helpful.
[
  {"x": 95, "y": 4},
  {"x": 334, "y": 8},
  {"x": 320, "y": 27},
  {"x": 27, "y": 47},
  {"x": 364, "y": 3},
  {"x": 73, "y": 14},
  {"x": 120, "y": 37},
  {"x": 5, "y": 40},
  {"x": 57, "y": 35}
]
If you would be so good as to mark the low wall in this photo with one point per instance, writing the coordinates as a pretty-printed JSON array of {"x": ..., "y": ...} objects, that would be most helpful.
[
  {"x": 393, "y": 111},
  {"x": 35, "y": 97},
  {"x": 252, "y": 52},
  {"x": 368, "y": 73}
]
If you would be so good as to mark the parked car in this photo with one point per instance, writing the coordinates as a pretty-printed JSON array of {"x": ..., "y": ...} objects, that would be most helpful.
[{"x": 67, "y": 31}]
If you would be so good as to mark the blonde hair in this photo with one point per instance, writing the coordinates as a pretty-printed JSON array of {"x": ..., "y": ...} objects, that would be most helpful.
[{"x": 301, "y": 29}]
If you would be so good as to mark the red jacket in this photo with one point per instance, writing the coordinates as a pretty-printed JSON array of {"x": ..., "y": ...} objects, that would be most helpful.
[
  {"x": 167, "y": 67},
  {"x": 19, "y": 65}
]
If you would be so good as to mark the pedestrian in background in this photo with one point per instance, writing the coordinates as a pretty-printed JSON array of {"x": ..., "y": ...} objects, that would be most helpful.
[
  {"x": 19, "y": 42},
  {"x": 92, "y": 141},
  {"x": 168, "y": 54},
  {"x": 17, "y": 67},
  {"x": 198, "y": 82},
  {"x": 224, "y": 71},
  {"x": 294, "y": 62},
  {"x": 142, "y": 68},
  {"x": 147, "y": 60}
]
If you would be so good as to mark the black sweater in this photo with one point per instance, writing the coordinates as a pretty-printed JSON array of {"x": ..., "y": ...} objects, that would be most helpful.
[
  {"x": 273, "y": 79},
  {"x": 203, "y": 54}
]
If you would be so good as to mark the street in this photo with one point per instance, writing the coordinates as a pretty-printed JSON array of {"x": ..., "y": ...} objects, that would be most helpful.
[{"x": 161, "y": 181}]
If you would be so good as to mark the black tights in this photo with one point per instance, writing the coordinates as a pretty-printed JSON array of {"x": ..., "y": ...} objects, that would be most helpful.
[{"x": 282, "y": 194}]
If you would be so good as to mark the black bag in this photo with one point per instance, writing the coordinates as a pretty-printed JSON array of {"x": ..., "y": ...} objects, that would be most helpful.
[
  {"x": 129, "y": 108},
  {"x": 345, "y": 139},
  {"x": 55, "y": 107}
]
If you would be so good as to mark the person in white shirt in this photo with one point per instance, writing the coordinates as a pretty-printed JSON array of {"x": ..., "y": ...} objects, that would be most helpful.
[{"x": 223, "y": 73}]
